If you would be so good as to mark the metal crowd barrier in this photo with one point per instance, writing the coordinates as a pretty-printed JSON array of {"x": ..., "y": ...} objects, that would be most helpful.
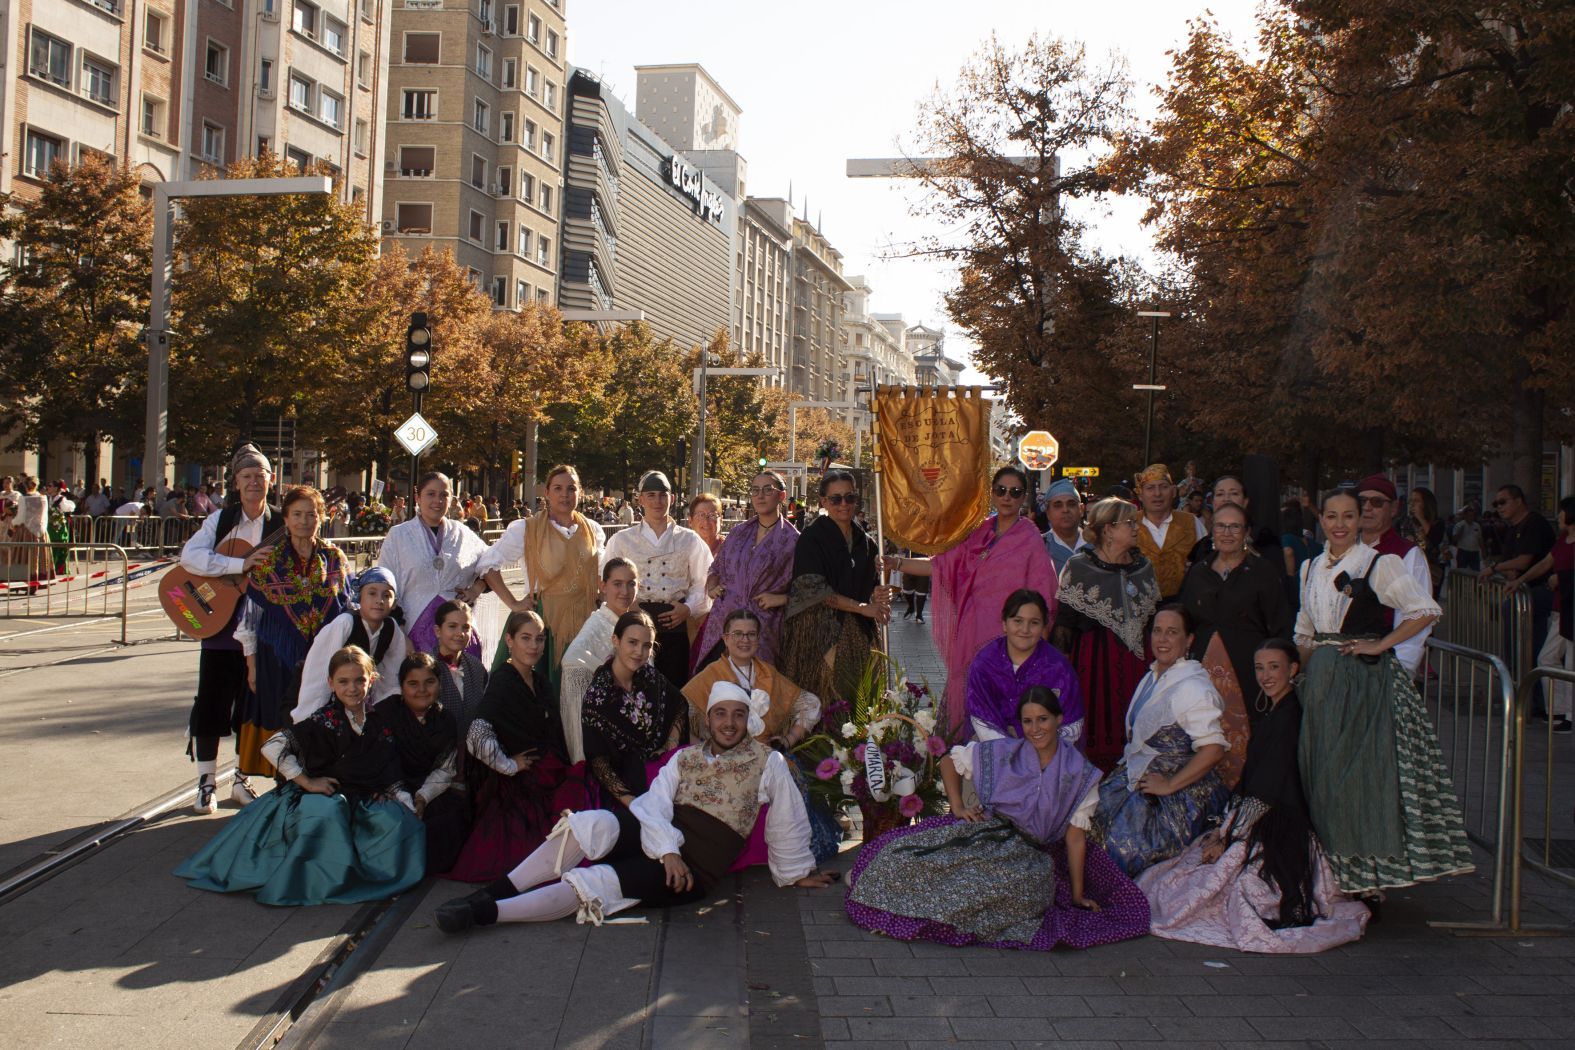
[
  {"x": 74, "y": 581},
  {"x": 1471, "y": 696},
  {"x": 362, "y": 551},
  {"x": 1482, "y": 614},
  {"x": 154, "y": 535},
  {"x": 1539, "y": 751}
]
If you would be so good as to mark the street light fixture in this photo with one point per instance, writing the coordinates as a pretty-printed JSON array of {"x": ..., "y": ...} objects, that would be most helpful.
[{"x": 156, "y": 434}]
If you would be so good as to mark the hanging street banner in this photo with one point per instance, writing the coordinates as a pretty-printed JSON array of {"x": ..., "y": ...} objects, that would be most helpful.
[{"x": 935, "y": 464}]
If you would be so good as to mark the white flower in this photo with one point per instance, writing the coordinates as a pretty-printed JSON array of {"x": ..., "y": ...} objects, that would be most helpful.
[
  {"x": 847, "y": 780},
  {"x": 843, "y": 756},
  {"x": 926, "y": 720},
  {"x": 903, "y": 781},
  {"x": 849, "y": 730}
]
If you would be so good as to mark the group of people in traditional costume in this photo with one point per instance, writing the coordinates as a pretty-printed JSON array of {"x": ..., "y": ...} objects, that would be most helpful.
[{"x": 632, "y": 740}]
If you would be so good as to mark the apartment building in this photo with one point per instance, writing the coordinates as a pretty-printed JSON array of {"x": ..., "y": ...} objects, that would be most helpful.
[
  {"x": 478, "y": 91},
  {"x": 171, "y": 87},
  {"x": 816, "y": 365},
  {"x": 763, "y": 282},
  {"x": 931, "y": 366},
  {"x": 875, "y": 346}
]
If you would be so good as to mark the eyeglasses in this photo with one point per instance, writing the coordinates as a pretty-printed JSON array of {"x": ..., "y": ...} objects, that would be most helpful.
[
  {"x": 763, "y": 490},
  {"x": 1014, "y": 492},
  {"x": 1226, "y": 526},
  {"x": 837, "y": 499},
  {"x": 1378, "y": 501},
  {"x": 743, "y": 636}
]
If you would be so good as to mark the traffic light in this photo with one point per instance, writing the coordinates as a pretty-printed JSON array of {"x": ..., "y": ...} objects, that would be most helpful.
[
  {"x": 762, "y": 454},
  {"x": 515, "y": 463},
  {"x": 418, "y": 354}
]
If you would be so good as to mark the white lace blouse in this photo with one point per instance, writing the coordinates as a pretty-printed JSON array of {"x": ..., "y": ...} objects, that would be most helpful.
[{"x": 1324, "y": 605}]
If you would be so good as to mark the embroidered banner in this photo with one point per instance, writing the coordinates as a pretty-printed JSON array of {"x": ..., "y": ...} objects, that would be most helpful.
[{"x": 935, "y": 462}]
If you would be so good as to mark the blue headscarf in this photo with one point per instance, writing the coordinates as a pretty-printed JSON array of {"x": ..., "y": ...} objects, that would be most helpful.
[{"x": 376, "y": 574}]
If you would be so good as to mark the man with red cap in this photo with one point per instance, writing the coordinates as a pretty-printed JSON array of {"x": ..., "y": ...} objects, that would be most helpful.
[{"x": 1380, "y": 503}]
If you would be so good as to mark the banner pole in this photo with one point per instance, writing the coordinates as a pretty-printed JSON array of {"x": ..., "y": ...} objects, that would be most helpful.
[{"x": 883, "y": 577}]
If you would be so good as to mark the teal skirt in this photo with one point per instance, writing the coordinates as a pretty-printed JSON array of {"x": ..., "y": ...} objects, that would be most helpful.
[
  {"x": 291, "y": 847},
  {"x": 1382, "y": 800}
]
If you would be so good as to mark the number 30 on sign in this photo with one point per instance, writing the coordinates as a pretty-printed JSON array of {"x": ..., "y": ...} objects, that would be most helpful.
[{"x": 416, "y": 434}]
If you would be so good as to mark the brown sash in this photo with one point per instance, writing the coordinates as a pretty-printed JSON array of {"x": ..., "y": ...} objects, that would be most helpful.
[{"x": 710, "y": 846}]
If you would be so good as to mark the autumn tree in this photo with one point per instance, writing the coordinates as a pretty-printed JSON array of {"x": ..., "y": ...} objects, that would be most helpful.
[
  {"x": 1375, "y": 220},
  {"x": 268, "y": 293},
  {"x": 742, "y": 417},
  {"x": 635, "y": 421},
  {"x": 74, "y": 306}
]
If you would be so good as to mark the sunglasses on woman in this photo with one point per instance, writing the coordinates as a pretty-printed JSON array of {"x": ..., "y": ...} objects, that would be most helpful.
[
  {"x": 837, "y": 499},
  {"x": 1014, "y": 492}
]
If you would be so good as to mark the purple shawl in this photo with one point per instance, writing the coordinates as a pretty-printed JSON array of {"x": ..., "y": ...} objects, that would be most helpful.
[
  {"x": 1039, "y": 802},
  {"x": 745, "y": 569},
  {"x": 994, "y": 688}
]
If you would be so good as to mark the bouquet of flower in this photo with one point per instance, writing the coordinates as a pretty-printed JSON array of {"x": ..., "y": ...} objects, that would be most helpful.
[
  {"x": 371, "y": 520},
  {"x": 880, "y": 748},
  {"x": 826, "y": 453}
]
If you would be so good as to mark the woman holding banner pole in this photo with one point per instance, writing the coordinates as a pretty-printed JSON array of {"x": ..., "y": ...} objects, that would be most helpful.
[{"x": 974, "y": 578}]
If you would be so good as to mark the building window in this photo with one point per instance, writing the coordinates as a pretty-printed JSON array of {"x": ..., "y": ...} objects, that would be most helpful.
[
  {"x": 331, "y": 108},
  {"x": 300, "y": 93},
  {"x": 419, "y": 105},
  {"x": 49, "y": 59},
  {"x": 529, "y": 141},
  {"x": 362, "y": 134},
  {"x": 544, "y": 251},
  {"x": 511, "y": 69},
  {"x": 483, "y": 62},
  {"x": 305, "y": 19},
  {"x": 532, "y": 82},
  {"x": 484, "y": 11},
  {"x": 549, "y": 151},
  {"x": 521, "y": 294},
  {"x": 473, "y": 275},
  {"x": 417, "y": 162},
  {"x": 552, "y": 43},
  {"x": 500, "y": 291},
  {"x": 511, "y": 21},
  {"x": 413, "y": 218},
  {"x": 533, "y": 29},
  {"x": 363, "y": 69},
  {"x": 42, "y": 153},
  {"x": 212, "y": 142},
  {"x": 152, "y": 117},
  {"x": 541, "y": 295},
  {"x": 216, "y": 66},
  {"x": 503, "y": 236},
  {"x": 153, "y": 33},
  {"x": 505, "y": 184},
  {"x": 550, "y": 95},
  {"x": 475, "y": 229},
  {"x": 298, "y": 159},
  {"x": 546, "y": 198},
  {"x": 483, "y": 117},
  {"x": 98, "y": 80},
  {"x": 527, "y": 190},
  {"x": 334, "y": 34},
  {"x": 505, "y": 127},
  {"x": 264, "y": 145},
  {"x": 478, "y": 172},
  {"x": 423, "y": 49},
  {"x": 524, "y": 243},
  {"x": 366, "y": 10}
]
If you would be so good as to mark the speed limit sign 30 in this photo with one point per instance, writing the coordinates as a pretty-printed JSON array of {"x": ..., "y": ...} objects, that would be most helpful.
[{"x": 416, "y": 434}]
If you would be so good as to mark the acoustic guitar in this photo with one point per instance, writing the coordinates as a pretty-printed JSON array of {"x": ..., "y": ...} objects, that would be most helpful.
[{"x": 201, "y": 606}]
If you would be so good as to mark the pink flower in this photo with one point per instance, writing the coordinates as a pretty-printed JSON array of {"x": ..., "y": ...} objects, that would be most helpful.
[
  {"x": 828, "y": 768},
  {"x": 910, "y": 806},
  {"x": 935, "y": 745},
  {"x": 858, "y": 753}
]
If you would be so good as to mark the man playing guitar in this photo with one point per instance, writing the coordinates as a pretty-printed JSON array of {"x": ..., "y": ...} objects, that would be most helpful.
[{"x": 221, "y": 668}]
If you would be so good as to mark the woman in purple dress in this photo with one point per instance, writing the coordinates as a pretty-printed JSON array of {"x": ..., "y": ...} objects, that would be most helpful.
[
  {"x": 1012, "y": 663},
  {"x": 985, "y": 874},
  {"x": 752, "y": 570}
]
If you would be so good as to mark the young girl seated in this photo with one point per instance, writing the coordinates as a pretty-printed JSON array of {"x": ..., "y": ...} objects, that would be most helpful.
[
  {"x": 462, "y": 677},
  {"x": 342, "y": 829},
  {"x": 371, "y": 627},
  {"x": 514, "y": 762},
  {"x": 1015, "y": 871},
  {"x": 427, "y": 740}
]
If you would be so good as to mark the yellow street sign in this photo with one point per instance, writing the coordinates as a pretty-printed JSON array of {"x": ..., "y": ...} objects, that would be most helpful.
[
  {"x": 1038, "y": 449},
  {"x": 1080, "y": 472}
]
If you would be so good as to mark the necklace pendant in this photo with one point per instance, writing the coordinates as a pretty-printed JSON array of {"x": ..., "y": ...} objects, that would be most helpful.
[{"x": 437, "y": 563}]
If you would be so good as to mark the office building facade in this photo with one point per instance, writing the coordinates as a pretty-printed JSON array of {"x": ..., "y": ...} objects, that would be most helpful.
[
  {"x": 763, "y": 283},
  {"x": 816, "y": 363}
]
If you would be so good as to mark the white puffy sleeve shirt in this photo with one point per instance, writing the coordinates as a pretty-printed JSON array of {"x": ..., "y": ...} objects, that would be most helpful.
[{"x": 1324, "y": 605}]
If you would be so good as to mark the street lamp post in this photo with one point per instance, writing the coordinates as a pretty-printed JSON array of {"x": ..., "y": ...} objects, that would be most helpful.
[
  {"x": 156, "y": 436},
  {"x": 697, "y": 482},
  {"x": 1153, "y": 386}
]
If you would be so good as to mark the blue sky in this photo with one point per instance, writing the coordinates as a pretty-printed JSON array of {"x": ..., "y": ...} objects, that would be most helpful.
[{"x": 821, "y": 81}]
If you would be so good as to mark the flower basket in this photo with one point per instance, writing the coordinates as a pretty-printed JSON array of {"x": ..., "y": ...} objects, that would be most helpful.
[{"x": 901, "y": 722}]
